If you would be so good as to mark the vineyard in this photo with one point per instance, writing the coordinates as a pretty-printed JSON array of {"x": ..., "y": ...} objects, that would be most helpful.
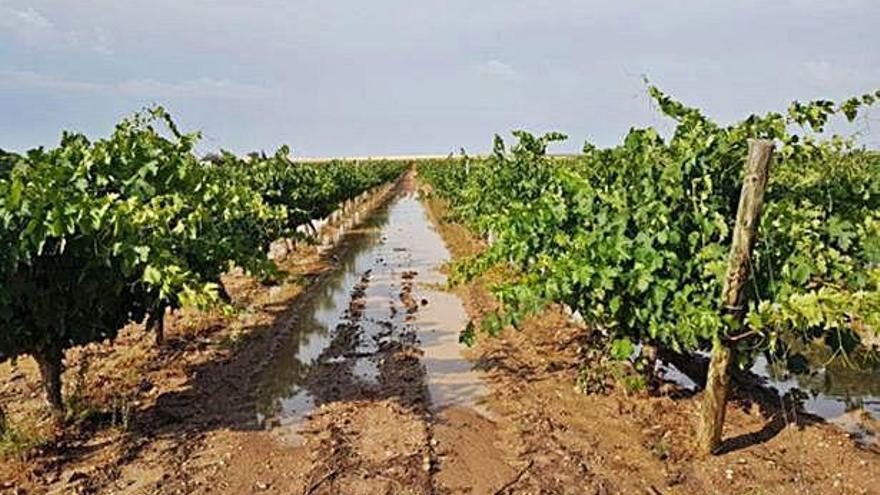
[
  {"x": 635, "y": 238},
  {"x": 705, "y": 249},
  {"x": 97, "y": 234}
]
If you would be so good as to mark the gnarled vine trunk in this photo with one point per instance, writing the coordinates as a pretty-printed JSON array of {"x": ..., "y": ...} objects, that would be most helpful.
[
  {"x": 2, "y": 421},
  {"x": 156, "y": 323},
  {"x": 51, "y": 367}
]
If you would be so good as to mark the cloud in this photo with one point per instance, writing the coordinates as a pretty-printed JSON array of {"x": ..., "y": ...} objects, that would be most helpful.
[
  {"x": 33, "y": 28},
  {"x": 498, "y": 68},
  {"x": 31, "y": 19},
  {"x": 26, "y": 23},
  {"x": 204, "y": 87},
  {"x": 17, "y": 79}
]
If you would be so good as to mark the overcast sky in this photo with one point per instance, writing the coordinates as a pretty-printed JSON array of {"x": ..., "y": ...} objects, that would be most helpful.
[{"x": 359, "y": 77}]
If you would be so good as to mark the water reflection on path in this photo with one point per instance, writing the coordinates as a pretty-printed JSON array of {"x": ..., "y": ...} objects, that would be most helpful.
[{"x": 396, "y": 247}]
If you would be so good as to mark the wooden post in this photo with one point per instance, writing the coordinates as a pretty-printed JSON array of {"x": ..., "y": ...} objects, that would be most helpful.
[{"x": 745, "y": 232}]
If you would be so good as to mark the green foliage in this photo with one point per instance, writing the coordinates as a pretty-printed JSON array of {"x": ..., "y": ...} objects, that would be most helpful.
[
  {"x": 606, "y": 365},
  {"x": 96, "y": 234},
  {"x": 468, "y": 335},
  {"x": 635, "y": 237},
  {"x": 622, "y": 349},
  {"x": 305, "y": 191}
]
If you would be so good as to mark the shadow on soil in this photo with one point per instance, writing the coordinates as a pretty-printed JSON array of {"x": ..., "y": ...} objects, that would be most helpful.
[{"x": 748, "y": 391}]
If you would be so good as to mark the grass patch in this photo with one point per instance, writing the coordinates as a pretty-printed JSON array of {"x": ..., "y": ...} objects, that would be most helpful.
[{"x": 17, "y": 440}]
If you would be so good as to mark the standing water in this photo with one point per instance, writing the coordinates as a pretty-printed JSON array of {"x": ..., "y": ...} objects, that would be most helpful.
[
  {"x": 846, "y": 397},
  {"x": 383, "y": 296}
]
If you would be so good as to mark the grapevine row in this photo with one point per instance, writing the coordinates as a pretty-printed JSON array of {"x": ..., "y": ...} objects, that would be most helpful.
[
  {"x": 635, "y": 237},
  {"x": 96, "y": 234}
]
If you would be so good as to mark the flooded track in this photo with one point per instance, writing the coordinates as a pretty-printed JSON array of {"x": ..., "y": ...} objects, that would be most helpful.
[{"x": 379, "y": 327}]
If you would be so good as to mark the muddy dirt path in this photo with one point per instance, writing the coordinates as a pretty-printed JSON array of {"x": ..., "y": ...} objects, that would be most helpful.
[{"x": 368, "y": 389}]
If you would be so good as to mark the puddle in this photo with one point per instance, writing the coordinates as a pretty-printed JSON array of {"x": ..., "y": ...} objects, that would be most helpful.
[
  {"x": 848, "y": 398},
  {"x": 384, "y": 293},
  {"x": 451, "y": 380},
  {"x": 365, "y": 369}
]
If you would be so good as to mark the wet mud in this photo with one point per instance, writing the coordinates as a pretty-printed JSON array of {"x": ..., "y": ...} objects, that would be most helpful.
[{"x": 371, "y": 364}]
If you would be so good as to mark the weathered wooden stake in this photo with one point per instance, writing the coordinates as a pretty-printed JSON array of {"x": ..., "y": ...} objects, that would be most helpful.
[{"x": 745, "y": 232}]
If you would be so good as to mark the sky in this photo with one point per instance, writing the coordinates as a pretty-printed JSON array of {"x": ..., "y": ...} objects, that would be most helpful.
[{"x": 385, "y": 77}]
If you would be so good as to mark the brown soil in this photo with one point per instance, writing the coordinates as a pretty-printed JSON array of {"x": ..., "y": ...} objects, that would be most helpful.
[{"x": 182, "y": 419}]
